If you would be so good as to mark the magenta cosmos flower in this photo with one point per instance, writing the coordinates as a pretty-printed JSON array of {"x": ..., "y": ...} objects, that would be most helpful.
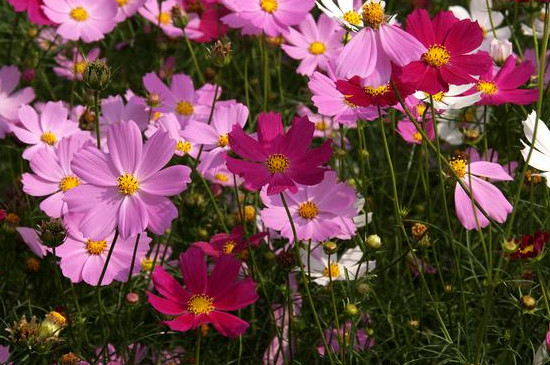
[
  {"x": 52, "y": 174},
  {"x": 474, "y": 175},
  {"x": 73, "y": 67},
  {"x": 11, "y": 100},
  {"x": 34, "y": 10},
  {"x": 204, "y": 20},
  {"x": 501, "y": 86},
  {"x": 83, "y": 258},
  {"x": 449, "y": 58},
  {"x": 232, "y": 243},
  {"x": 127, "y": 188},
  {"x": 270, "y": 16},
  {"x": 314, "y": 44},
  {"x": 205, "y": 299},
  {"x": 88, "y": 20},
  {"x": 278, "y": 159},
  {"x": 319, "y": 212},
  {"x": 44, "y": 131}
]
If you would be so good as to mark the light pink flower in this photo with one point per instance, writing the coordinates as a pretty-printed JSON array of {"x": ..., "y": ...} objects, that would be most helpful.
[
  {"x": 11, "y": 100},
  {"x": 88, "y": 20},
  {"x": 407, "y": 130},
  {"x": 127, "y": 8},
  {"x": 114, "y": 110},
  {"x": 73, "y": 67},
  {"x": 161, "y": 16},
  {"x": 169, "y": 123},
  {"x": 31, "y": 237},
  {"x": 214, "y": 169}
]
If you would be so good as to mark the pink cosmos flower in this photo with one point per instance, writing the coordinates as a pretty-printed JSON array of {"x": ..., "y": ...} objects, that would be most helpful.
[
  {"x": 72, "y": 68},
  {"x": 315, "y": 44},
  {"x": 169, "y": 123},
  {"x": 474, "y": 175},
  {"x": 501, "y": 86},
  {"x": 232, "y": 243},
  {"x": 384, "y": 43},
  {"x": 53, "y": 175},
  {"x": 127, "y": 8},
  {"x": 530, "y": 55},
  {"x": 449, "y": 58},
  {"x": 407, "y": 130},
  {"x": 214, "y": 169},
  {"x": 44, "y": 131},
  {"x": 83, "y": 258},
  {"x": 319, "y": 212},
  {"x": 127, "y": 188},
  {"x": 278, "y": 159},
  {"x": 491, "y": 156},
  {"x": 334, "y": 336},
  {"x": 181, "y": 98},
  {"x": 204, "y": 20},
  {"x": 325, "y": 127},
  {"x": 114, "y": 110},
  {"x": 11, "y": 100},
  {"x": 159, "y": 13},
  {"x": 270, "y": 16},
  {"x": 234, "y": 20},
  {"x": 5, "y": 355},
  {"x": 205, "y": 299},
  {"x": 31, "y": 237},
  {"x": 34, "y": 10},
  {"x": 88, "y": 20}
]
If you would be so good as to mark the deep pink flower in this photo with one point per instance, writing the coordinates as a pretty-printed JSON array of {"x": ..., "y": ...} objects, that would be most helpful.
[
  {"x": 11, "y": 100},
  {"x": 34, "y": 10},
  {"x": 31, "y": 237},
  {"x": 206, "y": 299},
  {"x": 72, "y": 68},
  {"x": 530, "y": 246},
  {"x": 315, "y": 44},
  {"x": 204, "y": 20},
  {"x": 232, "y": 243},
  {"x": 88, "y": 20},
  {"x": 449, "y": 58},
  {"x": 278, "y": 159},
  {"x": 127, "y": 188},
  {"x": 5, "y": 355},
  {"x": 52, "y": 175}
]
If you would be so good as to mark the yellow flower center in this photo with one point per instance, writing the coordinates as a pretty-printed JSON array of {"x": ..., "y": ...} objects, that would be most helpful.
[
  {"x": 79, "y": 67},
  {"x": 127, "y": 184},
  {"x": 308, "y": 210},
  {"x": 95, "y": 247},
  {"x": 249, "y": 213},
  {"x": 228, "y": 247},
  {"x": 333, "y": 271},
  {"x": 436, "y": 56},
  {"x": 373, "y": 14},
  {"x": 352, "y": 17},
  {"x": 223, "y": 141},
  {"x": 164, "y": 18},
  {"x": 183, "y": 146},
  {"x": 200, "y": 304},
  {"x": 157, "y": 115},
  {"x": 79, "y": 14},
  {"x": 421, "y": 109},
  {"x": 277, "y": 163},
  {"x": 48, "y": 138},
  {"x": 269, "y": 6},
  {"x": 321, "y": 126},
  {"x": 146, "y": 264},
  {"x": 439, "y": 96},
  {"x": 121, "y": 3},
  {"x": 317, "y": 48},
  {"x": 417, "y": 136},
  {"x": 69, "y": 182},
  {"x": 458, "y": 164},
  {"x": 57, "y": 318},
  {"x": 184, "y": 108},
  {"x": 221, "y": 177},
  {"x": 487, "y": 87},
  {"x": 377, "y": 91}
]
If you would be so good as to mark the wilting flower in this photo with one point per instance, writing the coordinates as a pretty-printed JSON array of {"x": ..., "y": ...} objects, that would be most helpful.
[
  {"x": 34, "y": 10},
  {"x": 349, "y": 265},
  {"x": 315, "y": 44},
  {"x": 159, "y": 13},
  {"x": 449, "y": 58},
  {"x": 540, "y": 155},
  {"x": 319, "y": 212},
  {"x": 206, "y": 299},
  {"x": 88, "y": 20},
  {"x": 43, "y": 131},
  {"x": 474, "y": 175},
  {"x": 11, "y": 100},
  {"x": 278, "y": 159},
  {"x": 335, "y": 336},
  {"x": 31, "y": 237},
  {"x": 72, "y": 68},
  {"x": 530, "y": 246},
  {"x": 127, "y": 188},
  {"x": 52, "y": 174},
  {"x": 232, "y": 243}
]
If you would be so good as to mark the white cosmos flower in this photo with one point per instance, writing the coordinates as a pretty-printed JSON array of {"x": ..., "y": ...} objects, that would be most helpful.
[
  {"x": 456, "y": 125},
  {"x": 527, "y": 29},
  {"x": 452, "y": 99},
  {"x": 345, "y": 12},
  {"x": 540, "y": 157},
  {"x": 320, "y": 270}
]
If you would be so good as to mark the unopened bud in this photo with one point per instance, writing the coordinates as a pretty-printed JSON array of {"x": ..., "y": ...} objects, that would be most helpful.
[
  {"x": 528, "y": 302},
  {"x": 153, "y": 100},
  {"x": 509, "y": 246},
  {"x": 330, "y": 247},
  {"x": 97, "y": 75},
  {"x": 52, "y": 232},
  {"x": 374, "y": 241},
  {"x": 351, "y": 309},
  {"x": 179, "y": 18},
  {"x": 500, "y": 50},
  {"x": 132, "y": 298}
]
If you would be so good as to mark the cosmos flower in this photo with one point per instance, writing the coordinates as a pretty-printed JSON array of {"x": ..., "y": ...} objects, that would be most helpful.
[
  {"x": 159, "y": 13},
  {"x": 34, "y": 10},
  {"x": 169, "y": 123},
  {"x": 205, "y": 299},
  {"x": 540, "y": 156},
  {"x": 407, "y": 130},
  {"x": 345, "y": 12},
  {"x": 72, "y": 68},
  {"x": 11, "y": 100},
  {"x": 88, "y": 20},
  {"x": 127, "y": 8},
  {"x": 127, "y": 188},
  {"x": 335, "y": 336},
  {"x": 530, "y": 245},
  {"x": 455, "y": 98},
  {"x": 278, "y": 159},
  {"x": 31, "y": 237},
  {"x": 232, "y": 243},
  {"x": 204, "y": 20}
]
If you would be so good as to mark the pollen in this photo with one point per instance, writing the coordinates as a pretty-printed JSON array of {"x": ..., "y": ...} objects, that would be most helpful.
[
  {"x": 146, "y": 264},
  {"x": 223, "y": 140},
  {"x": 373, "y": 14},
  {"x": 417, "y": 136},
  {"x": 183, "y": 146},
  {"x": 377, "y": 91},
  {"x": 269, "y": 6},
  {"x": 95, "y": 247},
  {"x": 164, "y": 18},
  {"x": 277, "y": 163},
  {"x": 69, "y": 182},
  {"x": 122, "y": 3},
  {"x": 333, "y": 271},
  {"x": 421, "y": 109},
  {"x": 79, "y": 14},
  {"x": 436, "y": 56},
  {"x": 228, "y": 247},
  {"x": 127, "y": 184},
  {"x": 184, "y": 108},
  {"x": 317, "y": 48},
  {"x": 308, "y": 210},
  {"x": 458, "y": 164},
  {"x": 48, "y": 138},
  {"x": 486, "y": 87},
  {"x": 79, "y": 67},
  {"x": 221, "y": 177},
  {"x": 200, "y": 304},
  {"x": 438, "y": 96},
  {"x": 352, "y": 17},
  {"x": 321, "y": 126}
]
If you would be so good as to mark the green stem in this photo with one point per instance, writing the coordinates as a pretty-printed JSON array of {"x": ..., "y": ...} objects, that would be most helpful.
[
  {"x": 194, "y": 58},
  {"x": 96, "y": 111}
]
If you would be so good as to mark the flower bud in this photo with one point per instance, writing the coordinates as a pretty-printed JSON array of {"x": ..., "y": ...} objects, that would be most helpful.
[
  {"x": 330, "y": 247},
  {"x": 52, "y": 232},
  {"x": 28, "y": 74},
  {"x": 132, "y": 298},
  {"x": 351, "y": 309},
  {"x": 220, "y": 53},
  {"x": 179, "y": 18},
  {"x": 509, "y": 246},
  {"x": 52, "y": 325},
  {"x": 97, "y": 75},
  {"x": 528, "y": 302},
  {"x": 500, "y": 50},
  {"x": 414, "y": 323},
  {"x": 374, "y": 241},
  {"x": 153, "y": 100},
  {"x": 286, "y": 260},
  {"x": 363, "y": 288}
]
